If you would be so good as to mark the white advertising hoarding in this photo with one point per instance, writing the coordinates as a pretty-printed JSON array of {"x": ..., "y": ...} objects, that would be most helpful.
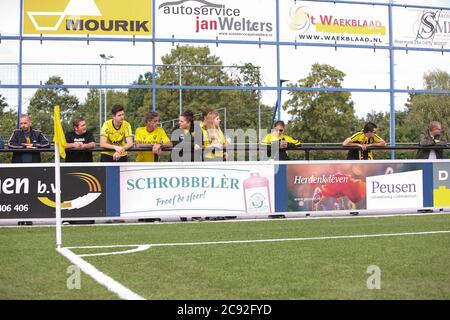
[
  {"x": 395, "y": 191},
  {"x": 224, "y": 19},
  {"x": 421, "y": 27},
  {"x": 307, "y": 21},
  {"x": 196, "y": 190}
]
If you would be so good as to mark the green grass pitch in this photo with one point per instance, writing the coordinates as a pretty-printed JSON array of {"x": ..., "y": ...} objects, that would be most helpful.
[{"x": 411, "y": 266}]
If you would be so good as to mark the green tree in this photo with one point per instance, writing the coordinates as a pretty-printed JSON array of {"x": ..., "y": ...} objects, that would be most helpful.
[
  {"x": 191, "y": 62},
  {"x": 7, "y": 125},
  {"x": 422, "y": 108},
  {"x": 9, "y": 118},
  {"x": 139, "y": 101},
  {"x": 321, "y": 116},
  {"x": 90, "y": 109},
  {"x": 42, "y": 104}
]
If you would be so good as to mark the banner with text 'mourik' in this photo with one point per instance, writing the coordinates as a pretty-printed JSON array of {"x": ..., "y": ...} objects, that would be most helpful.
[{"x": 75, "y": 17}]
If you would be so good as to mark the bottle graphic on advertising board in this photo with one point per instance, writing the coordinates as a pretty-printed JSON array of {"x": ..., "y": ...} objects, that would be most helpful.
[{"x": 257, "y": 194}]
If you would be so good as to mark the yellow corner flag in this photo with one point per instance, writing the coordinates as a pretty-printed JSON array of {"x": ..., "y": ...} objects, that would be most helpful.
[{"x": 59, "y": 136}]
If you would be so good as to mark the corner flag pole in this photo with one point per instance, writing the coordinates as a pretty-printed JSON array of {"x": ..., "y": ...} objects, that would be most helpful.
[
  {"x": 60, "y": 150},
  {"x": 58, "y": 196}
]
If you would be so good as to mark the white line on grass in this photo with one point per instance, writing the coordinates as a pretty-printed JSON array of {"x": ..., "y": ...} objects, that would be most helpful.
[
  {"x": 106, "y": 281},
  {"x": 139, "y": 248},
  {"x": 265, "y": 240}
]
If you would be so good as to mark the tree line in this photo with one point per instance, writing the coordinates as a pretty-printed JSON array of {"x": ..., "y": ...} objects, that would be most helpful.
[{"x": 315, "y": 116}]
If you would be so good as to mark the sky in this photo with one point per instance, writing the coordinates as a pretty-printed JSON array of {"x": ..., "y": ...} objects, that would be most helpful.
[{"x": 363, "y": 68}]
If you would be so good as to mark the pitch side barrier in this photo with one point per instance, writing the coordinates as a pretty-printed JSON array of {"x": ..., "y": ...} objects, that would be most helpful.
[
  {"x": 252, "y": 151},
  {"x": 148, "y": 192}
]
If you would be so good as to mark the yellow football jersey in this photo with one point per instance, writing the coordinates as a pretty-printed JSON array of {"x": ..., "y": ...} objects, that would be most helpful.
[
  {"x": 216, "y": 137},
  {"x": 157, "y": 136},
  {"x": 360, "y": 138},
  {"x": 115, "y": 136},
  {"x": 271, "y": 137}
]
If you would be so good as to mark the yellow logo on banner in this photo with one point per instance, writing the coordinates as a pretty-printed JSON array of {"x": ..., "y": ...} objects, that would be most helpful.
[
  {"x": 112, "y": 17},
  {"x": 95, "y": 190},
  {"x": 441, "y": 196}
]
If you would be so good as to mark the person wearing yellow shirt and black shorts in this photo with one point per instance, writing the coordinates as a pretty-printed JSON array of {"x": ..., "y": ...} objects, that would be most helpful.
[
  {"x": 153, "y": 135},
  {"x": 284, "y": 141},
  {"x": 116, "y": 135},
  {"x": 367, "y": 137}
]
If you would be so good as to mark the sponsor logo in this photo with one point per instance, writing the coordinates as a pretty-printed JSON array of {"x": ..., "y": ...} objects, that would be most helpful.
[
  {"x": 301, "y": 19},
  {"x": 396, "y": 190},
  {"x": 87, "y": 17},
  {"x": 432, "y": 24},
  {"x": 443, "y": 175},
  {"x": 95, "y": 191},
  {"x": 441, "y": 189},
  {"x": 208, "y": 17},
  {"x": 322, "y": 25}
]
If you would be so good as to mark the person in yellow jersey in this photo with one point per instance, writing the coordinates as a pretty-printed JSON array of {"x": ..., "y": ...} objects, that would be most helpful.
[
  {"x": 116, "y": 135},
  {"x": 214, "y": 141},
  {"x": 153, "y": 135},
  {"x": 279, "y": 141},
  {"x": 363, "y": 139}
]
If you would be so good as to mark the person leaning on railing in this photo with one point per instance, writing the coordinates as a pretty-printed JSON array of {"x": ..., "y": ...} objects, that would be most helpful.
[
  {"x": 277, "y": 140},
  {"x": 79, "y": 139},
  {"x": 27, "y": 138},
  {"x": 363, "y": 139},
  {"x": 187, "y": 139},
  {"x": 151, "y": 134},
  {"x": 117, "y": 136},
  {"x": 431, "y": 137},
  {"x": 214, "y": 140}
]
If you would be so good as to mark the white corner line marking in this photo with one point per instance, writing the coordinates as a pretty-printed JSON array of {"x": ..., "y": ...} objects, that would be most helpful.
[
  {"x": 106, "y": 281},
  {"x": 138, "y": 249}
]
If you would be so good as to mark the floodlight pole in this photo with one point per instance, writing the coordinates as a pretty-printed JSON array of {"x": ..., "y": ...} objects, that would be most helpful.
[
  {"x": 105, "y": 58},
  {"x": 100, "y": 103}
]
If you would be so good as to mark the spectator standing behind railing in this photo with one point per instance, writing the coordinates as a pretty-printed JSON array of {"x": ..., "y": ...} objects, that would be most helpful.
[
  {"x": 278, "y": 141},
  {"x": 431, "y": 137},
  {"x": 187, "y": 139},
  {"x": 214, "y": 140},
  {"x": 2, "y": 144},
  {"x": 79, "y": 139},
  {"x": 116, "y": 135},
  {"x": 27, "y": 138},
  {"x": 363, "y": 139},
  {"x": 151, "y": 134}
]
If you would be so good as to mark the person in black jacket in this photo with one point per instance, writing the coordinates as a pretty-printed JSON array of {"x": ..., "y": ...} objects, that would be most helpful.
[
  {"x": 432, "y": 136},
  {"x": 27, "y": 138},
  {"x": 186, "y": 139}
]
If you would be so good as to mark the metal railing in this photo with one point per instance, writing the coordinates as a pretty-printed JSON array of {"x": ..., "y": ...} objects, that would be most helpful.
[{"x": 260, "y": 149}]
